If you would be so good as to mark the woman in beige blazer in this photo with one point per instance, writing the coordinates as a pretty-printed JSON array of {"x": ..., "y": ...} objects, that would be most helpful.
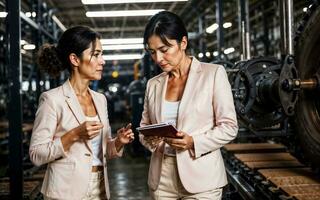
[
  {"x": 71, "y": 132},
  {"x": 195, "y": 97}
]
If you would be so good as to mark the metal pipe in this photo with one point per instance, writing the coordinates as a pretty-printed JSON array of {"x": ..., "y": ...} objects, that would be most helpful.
[
  {"x": 310, "y": 84},
  {"x": 286, "y": 26},
  {"x": 290, "y": 25},
  {"x": 244, "y": 24}
]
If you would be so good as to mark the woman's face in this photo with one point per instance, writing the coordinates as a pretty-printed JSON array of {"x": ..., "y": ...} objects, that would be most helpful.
[
  {"x": 91, "y": 65},
  {"x": 167, "y": 57}
]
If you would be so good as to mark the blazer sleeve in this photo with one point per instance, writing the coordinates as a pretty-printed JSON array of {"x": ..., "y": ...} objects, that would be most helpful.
[
  {"x": 44, "y": 147},
  {"x": 226, "y": 126},
  {"x": 111, "y": 147}
]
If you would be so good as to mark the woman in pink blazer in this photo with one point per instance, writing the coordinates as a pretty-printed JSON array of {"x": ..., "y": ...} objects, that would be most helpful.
[
  {"x": 195, "y": 97},
  {"x": 71, "y": 132}
]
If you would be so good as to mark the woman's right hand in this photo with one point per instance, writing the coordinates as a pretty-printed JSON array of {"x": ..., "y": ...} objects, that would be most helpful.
[
  {"x": 153, "y": 141},
  {"x": 89, "y": 129},
  {"x": 86, "y": 131}
]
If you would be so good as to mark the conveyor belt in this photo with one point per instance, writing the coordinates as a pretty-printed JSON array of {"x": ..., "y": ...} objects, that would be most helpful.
[
  {"x": 268, "y": 175},
  {"x": 30, "y": 189},
  {"x": 258, "y": 147}
]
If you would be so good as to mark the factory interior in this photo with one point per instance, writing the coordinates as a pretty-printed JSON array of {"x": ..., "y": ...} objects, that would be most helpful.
[{"x": 270, "y": 50}]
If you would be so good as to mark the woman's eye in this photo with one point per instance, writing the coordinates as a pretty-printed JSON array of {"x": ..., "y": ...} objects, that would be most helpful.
[{"x": 164, "y": 50}]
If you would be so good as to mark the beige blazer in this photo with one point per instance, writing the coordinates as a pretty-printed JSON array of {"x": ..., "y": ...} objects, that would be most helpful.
[
  {"x": 68, "y": 173},
  {"x": 206, "y": 113}
]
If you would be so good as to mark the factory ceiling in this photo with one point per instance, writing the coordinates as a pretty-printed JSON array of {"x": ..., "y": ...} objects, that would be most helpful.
[{"x": 73, "y": 12}]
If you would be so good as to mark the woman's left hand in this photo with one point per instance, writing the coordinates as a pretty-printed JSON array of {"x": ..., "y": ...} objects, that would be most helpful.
[
  {"x": 181, "y": 144},
  {"x": 125, "y": 135}
]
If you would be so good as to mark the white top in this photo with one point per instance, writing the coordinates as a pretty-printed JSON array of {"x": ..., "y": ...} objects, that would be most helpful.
[
  {"x": 96, "y": 145},
  {"x": 170, "y": 114}
]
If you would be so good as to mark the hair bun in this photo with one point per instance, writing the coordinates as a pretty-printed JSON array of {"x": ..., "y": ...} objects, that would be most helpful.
[{"x": 48, "y": 60}]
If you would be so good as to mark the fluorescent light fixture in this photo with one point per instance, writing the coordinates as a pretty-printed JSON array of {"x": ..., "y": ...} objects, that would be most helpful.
[
  {"x": 29, "y": 46},
  {"x": 31, "y": 14},
  {"x": 122, "y": 13},
  {"x": 125, "y": 1},
  {"x": 122, "y": 46},
  {"x": 58, "y": 22},
  {"x": 228, "y": 50},
  {"x": 28, "y": 14},
  {"x": 227, "y": 25},
  {"x": 212, "y": 28},
  {"x": 122, "y": 41},
  {"x": 25, "y": 85},
  {"x": 122, "y": 57},
  {"x": 215, "y": 26},
  {"x": 23, "y": 42},
  {"x": 3, "y": 14}
]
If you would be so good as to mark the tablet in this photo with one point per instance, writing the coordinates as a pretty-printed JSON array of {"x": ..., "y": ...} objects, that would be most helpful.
[{"x": 161, "y": 130}]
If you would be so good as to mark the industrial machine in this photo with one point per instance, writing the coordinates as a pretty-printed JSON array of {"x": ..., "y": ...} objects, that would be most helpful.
[{"x": 278, "y": 101}]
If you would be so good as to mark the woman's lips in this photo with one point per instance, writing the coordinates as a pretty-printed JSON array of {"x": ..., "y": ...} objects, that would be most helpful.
[{"x": 163, "y": 65}]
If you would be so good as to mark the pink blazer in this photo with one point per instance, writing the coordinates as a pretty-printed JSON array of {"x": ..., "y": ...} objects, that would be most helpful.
[
  {"x": 68, "y": 173},
  {"x": 206, "y": 113}
]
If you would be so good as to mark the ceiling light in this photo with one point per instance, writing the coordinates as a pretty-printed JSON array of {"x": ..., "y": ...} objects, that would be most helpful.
[
  {"x": 124, "y": 1},
  {"x": 123, "y": 46},
  {"x": 23, "y": 42},
  {"x": 215, "y": 26},
  {"x": 122, "y": 41},
  {"x": 3, "y": 14},
  {"x": 122, "y": 57},
  {"x": 227, "y": 25},
  {"x": 29, "y": 46},
  {"x": 228, "y": 50},
  {"x": 212, "y": 28},
  {"x": 28, "y": 14},
  {"x": 122, "y": 13}
]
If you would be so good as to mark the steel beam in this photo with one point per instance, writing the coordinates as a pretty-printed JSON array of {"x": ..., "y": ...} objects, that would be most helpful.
[
  {"x": 15, "y": 104},
  {"x": 219, "y": 18}
]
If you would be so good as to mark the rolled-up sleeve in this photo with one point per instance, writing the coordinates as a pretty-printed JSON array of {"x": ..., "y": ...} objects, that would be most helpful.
[{"x": 44, "y": 147}]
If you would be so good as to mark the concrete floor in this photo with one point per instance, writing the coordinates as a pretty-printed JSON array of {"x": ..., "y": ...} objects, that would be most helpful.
[
  {"x": 128, "y": 175},
  {"x": 128, "y": 178}
]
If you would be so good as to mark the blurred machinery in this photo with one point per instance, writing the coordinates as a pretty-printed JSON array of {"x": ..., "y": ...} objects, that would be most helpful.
[{"x": 279, "y": 99}]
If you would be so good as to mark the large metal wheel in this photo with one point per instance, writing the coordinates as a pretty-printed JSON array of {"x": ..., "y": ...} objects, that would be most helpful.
[{"x": 307, "y": 58}]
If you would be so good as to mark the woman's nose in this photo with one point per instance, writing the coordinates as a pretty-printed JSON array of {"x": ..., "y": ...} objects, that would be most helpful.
[
  {"x": 103, "y": 62},
  {"x": 159, "y": 57}
]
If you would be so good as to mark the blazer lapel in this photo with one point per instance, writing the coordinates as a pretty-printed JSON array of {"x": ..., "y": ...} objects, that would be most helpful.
[
  {"x": 102, "y": 116},
  {"x": 189, "y": 90},
  {"x": 73, "y": 102},
  {"x": 98, "y": 105},
  {"x": 74, "y": 106},
  {"x": 160, "y": 91}
]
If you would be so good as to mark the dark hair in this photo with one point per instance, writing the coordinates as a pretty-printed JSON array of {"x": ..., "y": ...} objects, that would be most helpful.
[
  {"x": 166, "y": 25},
  {"x": 54, "y": 59}
]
